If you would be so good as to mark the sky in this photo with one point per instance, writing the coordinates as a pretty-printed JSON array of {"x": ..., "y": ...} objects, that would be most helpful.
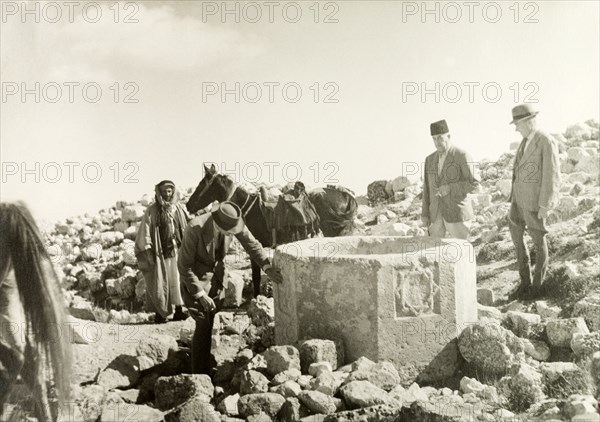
[{"x": 326, "y": 92}]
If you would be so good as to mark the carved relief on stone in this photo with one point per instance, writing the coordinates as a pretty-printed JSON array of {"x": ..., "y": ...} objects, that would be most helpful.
[{"x": 416, "y": 290}]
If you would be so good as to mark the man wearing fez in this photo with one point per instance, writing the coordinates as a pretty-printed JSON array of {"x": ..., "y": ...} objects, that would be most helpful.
[
  {"x": 202, "y": 270},
  {"x": 449, "y": 177},
  {"x": 535, "y": 186},
  {"x": 157, "y": 241}
]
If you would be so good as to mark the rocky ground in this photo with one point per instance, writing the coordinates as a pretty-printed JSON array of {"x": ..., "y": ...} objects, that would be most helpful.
[{"x": 525, "y": 360}]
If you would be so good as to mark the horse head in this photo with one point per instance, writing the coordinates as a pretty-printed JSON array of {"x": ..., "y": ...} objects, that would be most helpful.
[{"x": 212, "y": 187}]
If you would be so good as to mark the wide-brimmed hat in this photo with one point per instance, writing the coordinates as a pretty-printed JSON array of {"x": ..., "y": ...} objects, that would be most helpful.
[
  {"x": 228, "y": 217},
  {"x": 523, "y": 112},
  {"x": 438, "y": 128}
]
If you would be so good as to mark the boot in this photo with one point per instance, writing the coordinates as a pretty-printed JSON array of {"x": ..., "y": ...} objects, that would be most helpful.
[
  {"x": 159, "y": 319},
  {"x": 179, "y": 315}
]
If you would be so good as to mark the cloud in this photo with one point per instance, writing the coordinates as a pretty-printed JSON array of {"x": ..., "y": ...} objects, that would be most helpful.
[{"x": 162, "y": 41}]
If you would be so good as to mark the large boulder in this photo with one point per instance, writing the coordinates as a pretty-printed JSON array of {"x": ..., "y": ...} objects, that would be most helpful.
[
  {"x": 384, "y": 375},
  {"x": 589, "y": 309},
  {"x": 364, "y": 394},
  {"x": 193, "y": 410},
  {"x": 173, "y": 391},
  {"x": 254, "y": 404},
  {"x": 261, "y": 310},
  {"x": 560, "y": 331},
  {"x": 523, "y": 324},
  {"x": 489, "y": 347},
  {"x": 319, "y": 350},
  {"x": 253, "y": 382},
  {"x": 584, "y": 345},
  {"x": 157, "y": 347},
  {"x": 281, "y": 358},
  {"x": 318, "y": 402}
]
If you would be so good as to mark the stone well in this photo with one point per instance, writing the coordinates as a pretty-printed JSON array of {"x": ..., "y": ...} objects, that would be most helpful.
[{"x": 392, "y": 298}]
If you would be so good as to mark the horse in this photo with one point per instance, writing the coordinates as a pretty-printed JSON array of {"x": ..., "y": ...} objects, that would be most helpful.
[
  {"x": 335, "y": 209},
  {"x": 31, "y": 308}
]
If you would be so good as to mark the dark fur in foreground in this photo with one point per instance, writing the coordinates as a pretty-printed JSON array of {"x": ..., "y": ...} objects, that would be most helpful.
[{"x": 22, "y": 250}]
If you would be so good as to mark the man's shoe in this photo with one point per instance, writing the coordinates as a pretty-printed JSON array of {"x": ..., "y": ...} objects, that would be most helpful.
[
  {"x": 179, "y": 315},
  {"x": 159, "y": 319}
]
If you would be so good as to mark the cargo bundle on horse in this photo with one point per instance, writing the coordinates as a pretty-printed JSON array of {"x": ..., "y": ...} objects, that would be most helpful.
[
  {"x": 295, "y": 216},
  {"x": 31, "y": 312}
]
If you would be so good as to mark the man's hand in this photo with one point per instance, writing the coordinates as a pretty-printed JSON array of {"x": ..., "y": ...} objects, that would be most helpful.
[
  {"x": 274, "y": 274},
  {"x": 425, "y": 221},
  {"x": 206, "y": 303},
  {"x": 444, "y": 190},
  {"x": 543, "y": 213}
]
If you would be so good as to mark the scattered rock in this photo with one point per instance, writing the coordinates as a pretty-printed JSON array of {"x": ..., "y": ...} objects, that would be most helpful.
[
  {"x": 281, "y": 358},
  {"x": 319, "y": 350},
  {"x": 584, "y": 345},
  {"x": 253, "y": 404},
  {"x": 364, "y": 394},
  {"x": 173, "y": 391},
  {"x": 253, "y": 382},
  {"x": 488, "y": 346},
  {"x": 560, "y": 331},
  {"x": 193, "y": 410},
  {"x": 122, "y": 372},
  {"x": 318, "y": 402},
  {"x": 381, "y": 374},
  {"x": 537, "y": 349},
  {"x": 156, "y": 347},
  {"x": 261, "y": 311}
]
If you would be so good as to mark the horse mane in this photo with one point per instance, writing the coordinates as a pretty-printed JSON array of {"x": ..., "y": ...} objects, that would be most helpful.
[
  {"x": 227, "y": 183},
  {"x": 21, "y": 246}
]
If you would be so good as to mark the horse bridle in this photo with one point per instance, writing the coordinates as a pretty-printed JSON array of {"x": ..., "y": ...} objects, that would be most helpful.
[{"x": 234, "y": 188}]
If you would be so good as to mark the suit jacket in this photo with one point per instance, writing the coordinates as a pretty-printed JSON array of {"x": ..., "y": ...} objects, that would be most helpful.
[
  {"x": 536, "y": 175},
  {"x": 458, "y": 173},
  {"x": 199, "y": 253}
]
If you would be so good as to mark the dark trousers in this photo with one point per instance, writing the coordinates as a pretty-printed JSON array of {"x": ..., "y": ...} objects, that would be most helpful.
[
  {"x": 201, "y": 341},
  {"x": 519, "y": 220}
]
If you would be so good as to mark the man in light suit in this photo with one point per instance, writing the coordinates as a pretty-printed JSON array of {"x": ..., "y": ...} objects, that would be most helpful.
[
  {"x": 535, "y": 186},
  {"x": 202, "y": 270},
  {"x": 449, "y": 177}
]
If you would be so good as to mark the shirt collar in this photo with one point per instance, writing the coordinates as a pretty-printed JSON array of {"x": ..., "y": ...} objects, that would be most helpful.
[{"x": 531, "y": 135}]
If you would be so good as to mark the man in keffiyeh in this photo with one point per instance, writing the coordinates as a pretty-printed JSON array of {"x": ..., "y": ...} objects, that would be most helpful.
[{"x": 156, "y": 247}]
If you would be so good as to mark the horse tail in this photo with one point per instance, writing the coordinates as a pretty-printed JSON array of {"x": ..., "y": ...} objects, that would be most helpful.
[{"x": 21, "y": 244}]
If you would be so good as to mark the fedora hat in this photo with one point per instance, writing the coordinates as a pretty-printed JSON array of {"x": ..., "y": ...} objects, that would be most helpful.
[
  {"x": 228, "y": 217},
  {"x": 438, "y": 128},
  {"x": 522, "y": 112}
]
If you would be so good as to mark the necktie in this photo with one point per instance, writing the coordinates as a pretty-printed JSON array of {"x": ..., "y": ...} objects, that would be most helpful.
[{"x": 441, "y": 160}]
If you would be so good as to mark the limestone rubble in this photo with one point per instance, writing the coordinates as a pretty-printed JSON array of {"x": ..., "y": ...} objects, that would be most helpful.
[{"x": 255, "y": 380}]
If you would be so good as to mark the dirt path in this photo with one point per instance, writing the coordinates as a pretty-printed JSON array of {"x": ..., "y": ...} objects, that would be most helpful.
[{"x": 107, "y": 341}]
